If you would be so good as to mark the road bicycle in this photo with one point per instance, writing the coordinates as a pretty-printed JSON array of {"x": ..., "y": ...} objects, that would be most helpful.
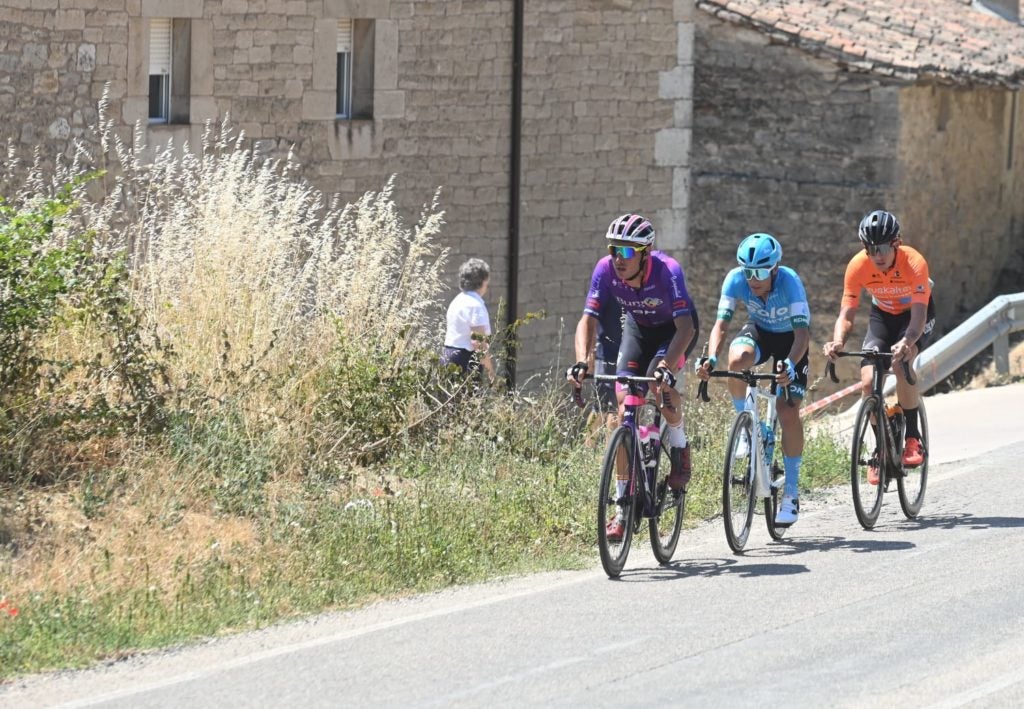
[
  {"x": 753, "y": 462},
  {"x": 881, "y": 447},
  {"x": 635, "y": 450}
]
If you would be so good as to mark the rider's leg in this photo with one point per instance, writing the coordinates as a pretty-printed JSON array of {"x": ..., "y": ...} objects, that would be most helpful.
[
  {"x": 792, "y": 442},
  {"x": 908, "y": 395},
  {"x": 741, "y": 356}
]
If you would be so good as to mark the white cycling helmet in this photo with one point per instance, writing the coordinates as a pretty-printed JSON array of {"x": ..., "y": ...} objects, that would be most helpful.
[{"x": 631, "y": 228}]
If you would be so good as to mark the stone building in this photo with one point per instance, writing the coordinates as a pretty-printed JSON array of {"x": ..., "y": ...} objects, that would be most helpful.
[{"x": 714, "y": 117}]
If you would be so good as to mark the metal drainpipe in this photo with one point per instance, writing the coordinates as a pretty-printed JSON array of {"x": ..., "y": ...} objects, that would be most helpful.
[{"x": 513, "y": 190}]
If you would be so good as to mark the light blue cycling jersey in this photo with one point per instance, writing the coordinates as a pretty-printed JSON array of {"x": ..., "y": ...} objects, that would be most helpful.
[{"x": 784, "y": 310}]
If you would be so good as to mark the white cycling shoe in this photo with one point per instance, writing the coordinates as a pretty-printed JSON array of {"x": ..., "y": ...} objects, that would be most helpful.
[{"x": 789, "y": 510}]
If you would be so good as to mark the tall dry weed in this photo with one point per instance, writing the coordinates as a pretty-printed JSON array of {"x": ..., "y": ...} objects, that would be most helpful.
[{"x": 248, "y": 277}]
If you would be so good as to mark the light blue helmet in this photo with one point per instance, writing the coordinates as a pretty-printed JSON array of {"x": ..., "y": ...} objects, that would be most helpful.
[{"x": 759, "y": 251}]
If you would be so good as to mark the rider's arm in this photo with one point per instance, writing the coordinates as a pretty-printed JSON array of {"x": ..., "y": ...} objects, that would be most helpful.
[
  {"x": 677, "y": 347},
  {"x": 586, "y": 338},
  {"x": 716, "y": 337},
  {"x": 844, "y": 324},
  {"x": 801, "y": 341},
  {"x": 918, "y": 316}
]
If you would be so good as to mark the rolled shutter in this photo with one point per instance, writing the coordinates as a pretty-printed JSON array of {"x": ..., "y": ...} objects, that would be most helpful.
[
  {"x": 344, "y": 36},
  {"x": 160, "y": 45}
]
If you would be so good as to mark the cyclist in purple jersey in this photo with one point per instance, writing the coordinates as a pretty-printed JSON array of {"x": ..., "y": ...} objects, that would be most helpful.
[{"x": 658, "y": 332}]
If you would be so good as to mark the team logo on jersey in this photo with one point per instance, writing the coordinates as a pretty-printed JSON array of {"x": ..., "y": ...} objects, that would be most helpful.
[
  {"x": 773, "y": 314},
  {"x": 652, "y": 302},
  {"x": 920, "y": 289}
]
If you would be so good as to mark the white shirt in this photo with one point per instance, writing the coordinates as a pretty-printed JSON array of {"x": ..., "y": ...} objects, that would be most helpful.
[{"x": 466, "y": 311}]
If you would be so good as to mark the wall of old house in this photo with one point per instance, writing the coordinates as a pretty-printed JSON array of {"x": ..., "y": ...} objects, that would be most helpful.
[
  {"x": 962, "y": 192},
  {"x": 606, "y": 90},
  {"x": 628, "y": 105},
  {"x": 787, "y": 144}
]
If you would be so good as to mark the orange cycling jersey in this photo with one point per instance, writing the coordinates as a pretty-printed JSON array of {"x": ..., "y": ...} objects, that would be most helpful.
[{"x": 895, "y": 290}]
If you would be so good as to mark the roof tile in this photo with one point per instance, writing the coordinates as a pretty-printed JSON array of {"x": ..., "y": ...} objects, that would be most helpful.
[{"x": 942, "y": 40}]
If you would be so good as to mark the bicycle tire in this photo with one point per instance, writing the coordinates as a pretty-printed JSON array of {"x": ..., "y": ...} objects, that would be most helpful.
[
  {"x": 738, "y": 484},
  {"x": 670, "y": 515},
  {"x": 614, "y": 553},
  {"x": 912, "y": 484},
  {"x": 776, "y": 470},
  {"x": 867, "y": 497}
]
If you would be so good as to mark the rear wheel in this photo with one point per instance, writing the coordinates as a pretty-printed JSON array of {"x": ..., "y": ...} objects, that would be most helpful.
[
  {"x": 777, "y": 475},
  {"x": 618, "y": 456},
  {"x": 868, "y": 452},
  {"x": 738, "y": 483},
  {"x": 913, "y": 482},
  {"x": 666, "y": 526}
]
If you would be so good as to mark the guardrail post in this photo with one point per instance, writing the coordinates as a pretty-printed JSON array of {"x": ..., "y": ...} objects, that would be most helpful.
[{"x": 1001, "y": 353}]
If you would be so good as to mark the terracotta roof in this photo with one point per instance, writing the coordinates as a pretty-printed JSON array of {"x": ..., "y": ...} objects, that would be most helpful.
[{"x": 950, "y": 41}]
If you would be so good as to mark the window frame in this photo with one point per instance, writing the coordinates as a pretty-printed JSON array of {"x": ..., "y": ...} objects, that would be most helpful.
[{"x": 160, "y": 69}]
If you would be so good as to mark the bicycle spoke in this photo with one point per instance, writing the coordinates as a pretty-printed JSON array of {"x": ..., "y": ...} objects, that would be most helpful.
[
  {"x": 914, "y": 481},
  {"x": 737, "y": 483},
  {"x": 666, "y": 527},
  {"x": 868, "y": 459},
  {"x": 615, "y": 513}
]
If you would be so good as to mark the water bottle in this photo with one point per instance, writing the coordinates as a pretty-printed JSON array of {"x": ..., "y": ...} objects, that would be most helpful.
[
  {"x": 650, "y": 439},
  {"x": 768, "y": 435}
]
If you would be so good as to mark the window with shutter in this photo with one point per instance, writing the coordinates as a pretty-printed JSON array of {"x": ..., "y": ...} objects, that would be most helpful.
[
  {"x": 344, "y": 64},
  {"x": 159, "y": 69},
  {"x": 355, "y": 68}
]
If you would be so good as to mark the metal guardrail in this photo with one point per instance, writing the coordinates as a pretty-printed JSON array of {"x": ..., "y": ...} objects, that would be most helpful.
[{"x": 991, "y": 325}]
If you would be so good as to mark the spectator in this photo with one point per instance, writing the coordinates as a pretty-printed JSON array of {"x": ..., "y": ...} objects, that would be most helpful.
[{"x": 467, "y": 337}]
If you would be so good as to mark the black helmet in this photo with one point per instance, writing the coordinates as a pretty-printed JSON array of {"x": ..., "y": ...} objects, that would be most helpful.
[{"x": 878, "y": 228}]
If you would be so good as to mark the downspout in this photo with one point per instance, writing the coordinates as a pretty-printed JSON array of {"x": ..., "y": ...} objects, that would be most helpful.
[{"x": 511, "y": 345}]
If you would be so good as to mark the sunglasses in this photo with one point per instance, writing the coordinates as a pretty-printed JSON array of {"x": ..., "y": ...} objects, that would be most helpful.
[
  {"x": 880, "y": 250},
  {"x": 757, "y": 274},
  {"x": 625, "y": 251}
]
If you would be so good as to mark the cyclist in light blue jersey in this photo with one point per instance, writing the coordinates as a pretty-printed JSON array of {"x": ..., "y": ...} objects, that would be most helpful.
[{"x": 778, "y": 327}]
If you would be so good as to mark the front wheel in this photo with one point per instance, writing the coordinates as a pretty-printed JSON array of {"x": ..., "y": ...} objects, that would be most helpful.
[
  {"x": 666, "y": 526},
  {"x": 868, "y": 462},
  {"x": 619, "y": 456},
  {"x": 777, "y": 475},
  {"x": 912, "y": 483},
  {"x": 738, "y": 482}
]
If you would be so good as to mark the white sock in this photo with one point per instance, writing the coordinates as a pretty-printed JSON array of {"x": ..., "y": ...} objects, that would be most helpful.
[{"x": 676, "y": 435}]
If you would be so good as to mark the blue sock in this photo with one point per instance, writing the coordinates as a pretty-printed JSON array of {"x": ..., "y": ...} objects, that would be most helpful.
[
  {"x": 739, "y": 404},
  {"x": 792, "y": 465}
]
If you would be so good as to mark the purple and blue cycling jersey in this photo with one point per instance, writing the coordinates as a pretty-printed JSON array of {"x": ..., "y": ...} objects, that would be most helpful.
[{"x": 662, "y": 298}]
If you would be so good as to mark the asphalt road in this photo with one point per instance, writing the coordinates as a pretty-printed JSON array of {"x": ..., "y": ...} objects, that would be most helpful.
[{"x": 923, "y": 612}]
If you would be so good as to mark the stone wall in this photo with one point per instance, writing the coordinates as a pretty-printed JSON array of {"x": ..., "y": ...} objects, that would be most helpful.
[
  {"x": 962, "y": 192},
  {"x": 604, "y": 96},
  {"x": 628, "y": 105},
  {"x": 786, "y": 143}
]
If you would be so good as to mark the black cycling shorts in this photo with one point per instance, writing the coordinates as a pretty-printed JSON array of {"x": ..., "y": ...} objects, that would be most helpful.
[
  {"x": 886, "y": 329},
  {"x": 777, "y": 346},
  {"x": 643, "y": 347}
]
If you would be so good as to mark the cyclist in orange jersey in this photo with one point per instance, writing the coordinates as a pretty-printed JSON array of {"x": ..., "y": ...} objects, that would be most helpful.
[{"x": 902, "y": 313}]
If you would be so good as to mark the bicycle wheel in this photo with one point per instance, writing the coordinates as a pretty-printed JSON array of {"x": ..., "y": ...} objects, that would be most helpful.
[
  {"x": 666, "y": 526},
  {"x": 738, "y": 482},
  {"x": 912, "y": 483},
  {"x": 869, "y": 450},
  {"x": 777, "y": 475},
  {"x": 619, "y": 453}
]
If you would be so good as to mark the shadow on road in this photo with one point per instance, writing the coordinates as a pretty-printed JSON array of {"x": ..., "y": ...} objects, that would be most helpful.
[
  {"x": 952, "y": 521},
  {"x": 799, "y": 545},
  {"x": 693, "y": 568}
]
